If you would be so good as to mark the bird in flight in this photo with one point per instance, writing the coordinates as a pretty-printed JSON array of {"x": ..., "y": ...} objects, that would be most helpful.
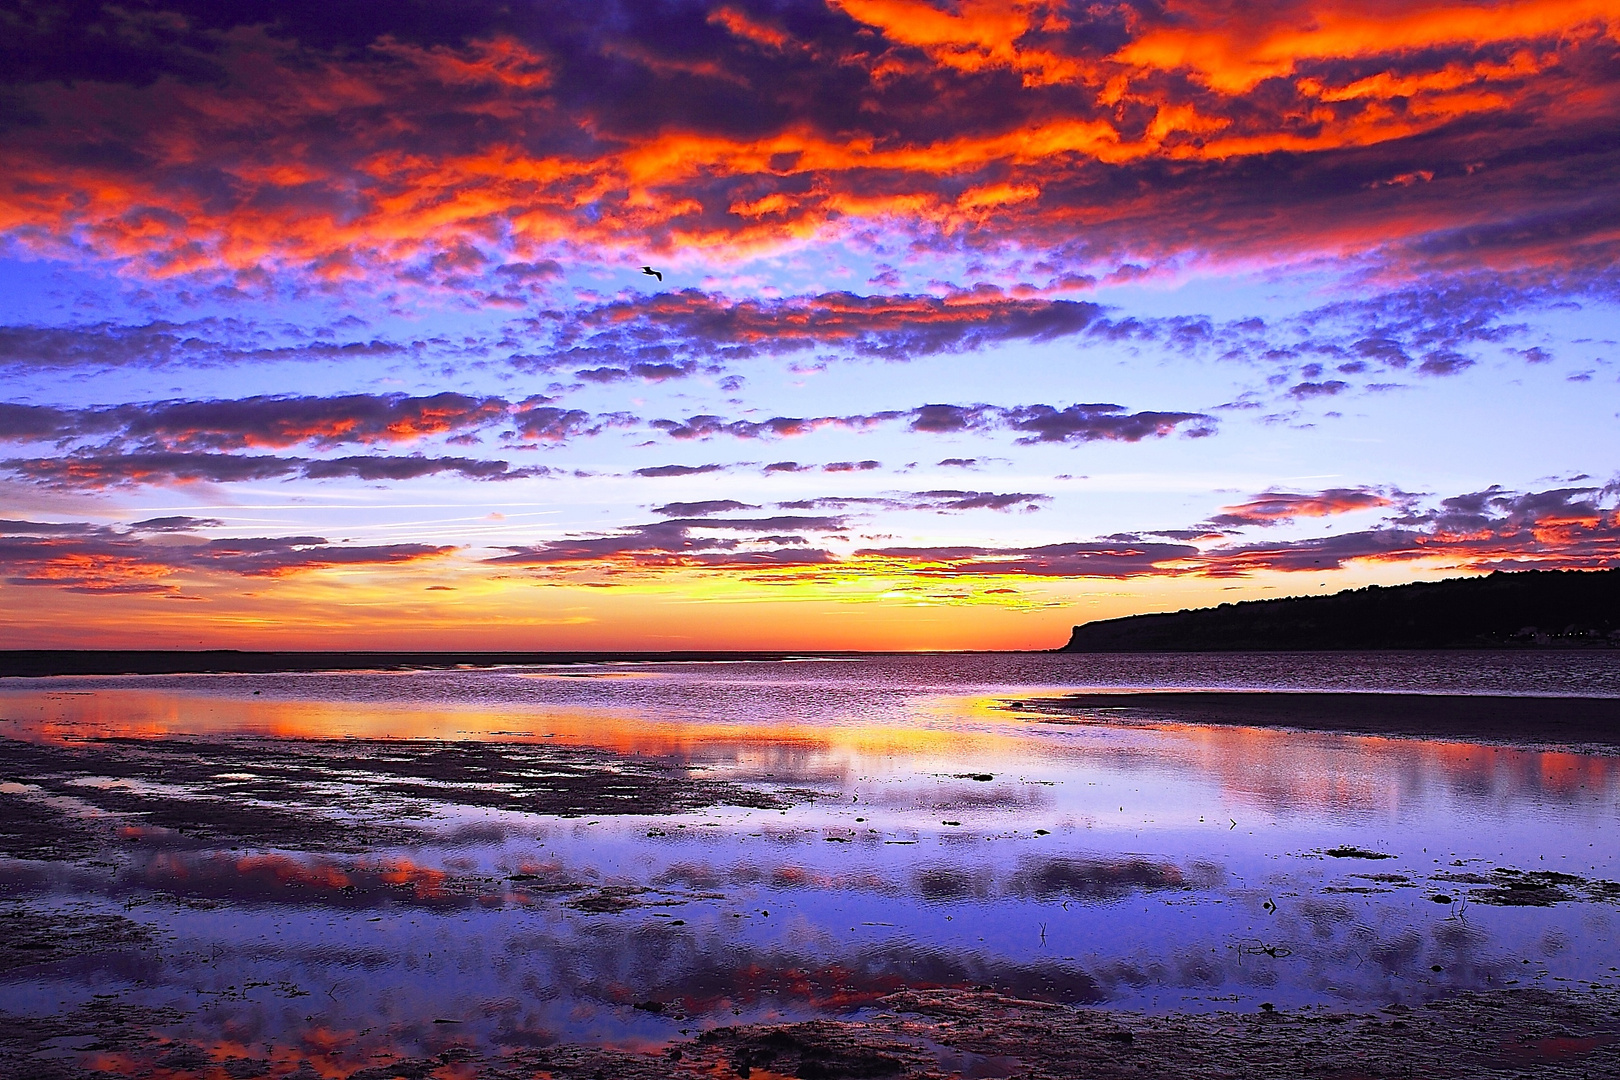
[{"x": 650, "y": 272}]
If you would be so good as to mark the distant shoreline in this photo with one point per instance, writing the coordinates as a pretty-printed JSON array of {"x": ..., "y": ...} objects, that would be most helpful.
[
  {"x": 43, "y": 663},
  {"x": 46, "y": 663}
]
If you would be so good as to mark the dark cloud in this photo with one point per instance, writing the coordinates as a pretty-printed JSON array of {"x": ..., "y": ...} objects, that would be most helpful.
[
  {"x": 35, "y": 423},
  {"x": 104, "y": 470},
  {"x": 1040, "y": 423},
  {"x": 677, "y": 470},
  {"x": 410, "y": 467},
  {"x": 203, "y": 343},
  {"x": 177, "y": 523},
  {"x": 945, "y": 419},
  {"x": 895, "y": 327},
  {"x": 279, "y": 422},
  {"x": 272, "y": 557},
  {"x": 88, "y": 470},
  {"x": 702, "y": 509},
  {"x": 273, "y": 422},
  {"x": 1087, "y": 423},
  {"x": 1318, "y": 389}
]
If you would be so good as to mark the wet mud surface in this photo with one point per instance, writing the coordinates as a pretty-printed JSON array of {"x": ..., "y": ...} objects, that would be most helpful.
[
  {"x": 924, "y": 1035},
  {"x": 946, "y": 888},
  {"x": 1580, "y": 721},
  {"x": 63, "y": 801}
]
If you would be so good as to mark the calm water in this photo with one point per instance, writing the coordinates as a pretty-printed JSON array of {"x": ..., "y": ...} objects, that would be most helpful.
[{"x": 922, "y": 833}]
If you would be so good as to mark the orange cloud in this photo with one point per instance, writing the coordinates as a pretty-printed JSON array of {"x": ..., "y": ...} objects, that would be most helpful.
[
  {"x": 1237, "y": 51},
  {"x": 1107, "y": 129}
]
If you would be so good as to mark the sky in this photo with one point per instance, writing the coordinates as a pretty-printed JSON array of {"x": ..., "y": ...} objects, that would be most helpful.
[{"x": 326, "y": 326}]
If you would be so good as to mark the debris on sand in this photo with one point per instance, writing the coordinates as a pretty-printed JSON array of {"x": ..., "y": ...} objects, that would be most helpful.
[
  {"x": 1507, "y": 887},
  {"x": 929, "y": 1035},
  {"x": 1347, "y": 851},
  {"x": 944, "y": 1033},
  {"x": 321, "y": 795},
  {"x": 29, "y": 937}
]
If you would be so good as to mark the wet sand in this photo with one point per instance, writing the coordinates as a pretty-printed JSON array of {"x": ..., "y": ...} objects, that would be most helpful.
[
  {"x": 315, "y": 795},
  {"x": 938, "y": 1035},
  {"x": 224, "y": 905},
  {"x": 1530, "y": 721}
]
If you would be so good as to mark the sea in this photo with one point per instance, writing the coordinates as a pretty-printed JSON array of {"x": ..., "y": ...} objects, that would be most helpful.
[{"x": 348, "y": 867}]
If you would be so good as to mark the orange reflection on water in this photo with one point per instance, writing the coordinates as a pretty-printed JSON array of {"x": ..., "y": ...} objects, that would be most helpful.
[
  {"x": 128, "y": 713},
  {"x": 1273, "y": 767}
]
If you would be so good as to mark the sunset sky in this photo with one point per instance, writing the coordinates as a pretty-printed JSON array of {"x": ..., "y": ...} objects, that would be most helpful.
[{"x": 323, "y": 325}]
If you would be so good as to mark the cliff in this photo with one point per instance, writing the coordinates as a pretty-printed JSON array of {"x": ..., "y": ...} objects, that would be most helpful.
[{"x": 1548, "y": 608}]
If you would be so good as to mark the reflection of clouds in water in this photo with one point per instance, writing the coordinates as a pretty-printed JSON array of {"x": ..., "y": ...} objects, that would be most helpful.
[
  {"x": 1083, "y": 878},
  {"x": 528, "y": 928},
  {"x": 1289, "y": 772}
]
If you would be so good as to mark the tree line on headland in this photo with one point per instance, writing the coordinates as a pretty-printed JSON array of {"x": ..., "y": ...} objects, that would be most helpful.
[{"x": 1506, "y": 609}]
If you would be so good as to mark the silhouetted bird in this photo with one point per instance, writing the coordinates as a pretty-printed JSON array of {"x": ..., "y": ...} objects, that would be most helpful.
[{"x": 650, "y": 272}]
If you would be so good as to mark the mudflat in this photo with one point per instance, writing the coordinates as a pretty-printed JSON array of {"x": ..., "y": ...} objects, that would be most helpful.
[{"x": 941, "y": 1034}]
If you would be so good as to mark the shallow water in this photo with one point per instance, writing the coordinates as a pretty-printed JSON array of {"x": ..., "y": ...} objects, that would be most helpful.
[{"x": 867, "y": 824}]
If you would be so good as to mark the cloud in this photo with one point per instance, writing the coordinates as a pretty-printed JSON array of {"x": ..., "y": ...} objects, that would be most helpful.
[
  {"x": 1281, "y": 507},
  {"x": 274, "y": 422},
  {"x": 1087, "y": 423},
  {"x": 1562, "y": 528},
  {"x": 895, "y": 327},
  {"x": 158, "y": 344},
  {"x": 1490, "y": 529},
  {"x": 682, "y": 543},
  {"x": 158, "y": 467},
  {"x": 175, "y": 523},
  {"x": 279, "y": 422},
  {"x": 377, "y": 467},
  {"x": 702, "y": 509},
  {"x": 90, "y": 470},
  {"x": 1040, "y": 423},
  {"x": 480, "y": 150},
  {"x": 659, "y": 471},
  {"x": 940, "y": 501},
  {"x": 84, "y": 558}
]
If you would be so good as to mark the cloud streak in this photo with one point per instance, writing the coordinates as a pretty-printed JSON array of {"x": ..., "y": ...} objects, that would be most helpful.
[
  {"x": 84, "y": 558},
  {"x": 1566, "y": 528}
]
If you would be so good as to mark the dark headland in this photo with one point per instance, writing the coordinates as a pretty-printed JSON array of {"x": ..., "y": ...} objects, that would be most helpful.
[{"x": 1524, "y": 608}]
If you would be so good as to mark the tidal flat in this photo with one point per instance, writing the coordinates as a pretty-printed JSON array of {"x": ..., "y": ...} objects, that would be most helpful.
[{"x": 920, "y": 866}]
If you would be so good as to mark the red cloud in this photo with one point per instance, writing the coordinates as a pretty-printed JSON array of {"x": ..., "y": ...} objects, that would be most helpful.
[
  {"x": 94, "y": 559},
  {"x": 1566, "y": 528},
  {"x": 1278, "y": 507},
  {"x": 1112, "y": 128}
]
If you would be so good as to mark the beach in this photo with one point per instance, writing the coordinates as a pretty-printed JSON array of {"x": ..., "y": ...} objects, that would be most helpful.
[{"x": 990, "y": 865}]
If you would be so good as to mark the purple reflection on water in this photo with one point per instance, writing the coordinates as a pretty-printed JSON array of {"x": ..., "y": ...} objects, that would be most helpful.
[{"x": 509, "y": 859}]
